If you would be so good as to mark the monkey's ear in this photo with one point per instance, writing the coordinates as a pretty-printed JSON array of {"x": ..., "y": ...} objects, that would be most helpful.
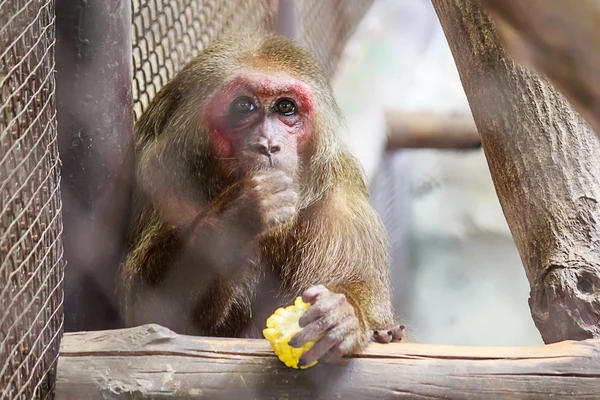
[{"x": 155, "y": 118}]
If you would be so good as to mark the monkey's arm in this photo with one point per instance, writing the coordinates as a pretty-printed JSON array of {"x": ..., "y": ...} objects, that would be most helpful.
[
  {"x": 198, "y": 266},
  {"x": 350, "y": 288}
]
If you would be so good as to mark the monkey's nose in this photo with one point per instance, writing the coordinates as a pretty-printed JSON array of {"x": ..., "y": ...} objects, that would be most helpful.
[{"x": 268, "y": 149}]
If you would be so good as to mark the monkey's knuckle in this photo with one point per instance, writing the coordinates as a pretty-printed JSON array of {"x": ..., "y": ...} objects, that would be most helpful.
[
  {"x": 337, "y": 351},
  {"x": 288, "y": 211},
  {"x": 334, "y": 336},
  {"x": 321, "y": 288},
  {"x": 340, "y": 299},
  {"x": 292, "y": 195},
  {"x": 287, "y": 180},
  {"x": 324, "y": 323},
  {"x": 257, "y": 180}
]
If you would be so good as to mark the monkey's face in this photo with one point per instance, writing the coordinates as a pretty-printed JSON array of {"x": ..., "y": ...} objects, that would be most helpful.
[{"x": 259, "y": 122}]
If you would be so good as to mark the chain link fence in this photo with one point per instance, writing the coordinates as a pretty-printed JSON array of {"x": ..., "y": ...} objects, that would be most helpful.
[
  {"x": 165, "y": 35},
  {"x": 169, "y": 33},
  {"x": 31, "y": 268},
  {"x": 325, "y": 26}
]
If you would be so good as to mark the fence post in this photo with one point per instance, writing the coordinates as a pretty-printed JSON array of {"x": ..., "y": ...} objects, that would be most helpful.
[{"x": 95, "y": 120}]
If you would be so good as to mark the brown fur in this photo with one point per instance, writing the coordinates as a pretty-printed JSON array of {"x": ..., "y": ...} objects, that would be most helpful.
[{"x": 335, "y": 240}]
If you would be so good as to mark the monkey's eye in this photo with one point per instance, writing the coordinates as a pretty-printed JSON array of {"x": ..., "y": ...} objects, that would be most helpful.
[
  {"x": 243, "y": 105},
  {"x": 285, "y": 107}
]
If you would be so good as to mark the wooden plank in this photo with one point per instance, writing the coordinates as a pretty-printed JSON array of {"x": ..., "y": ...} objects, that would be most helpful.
[
  {"x": 153, "y": 362},
  {"x": 431, "y": 131}
]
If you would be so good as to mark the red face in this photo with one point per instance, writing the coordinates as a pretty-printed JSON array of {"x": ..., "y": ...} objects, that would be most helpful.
[{"x": 258, "y": 121}]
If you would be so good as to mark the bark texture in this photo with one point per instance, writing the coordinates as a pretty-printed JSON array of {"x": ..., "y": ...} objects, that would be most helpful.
[
  {"x": 545, "y": 164},
  {"x": 152, "y": 362},
  {"x": 560, "y": 39}
]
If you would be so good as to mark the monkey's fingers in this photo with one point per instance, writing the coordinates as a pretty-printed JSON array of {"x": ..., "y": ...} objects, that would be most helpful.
[
  {"x": 337, "y": 352},
  {"x": 282, "y": 215},
  {"x": 311, "y": 294},
  {"x": 312, "y": 331},
  {"x": 331, "y": 340},
  {"x": 272, "y": 181},
  {"x": 320, "y": 308},
  {"x": 282, "y": 199}
]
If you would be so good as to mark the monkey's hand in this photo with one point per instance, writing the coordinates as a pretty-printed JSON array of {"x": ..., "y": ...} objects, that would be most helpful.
[
  {"x": 332, "y": 318},
  {"x": 268, "y": 198}
]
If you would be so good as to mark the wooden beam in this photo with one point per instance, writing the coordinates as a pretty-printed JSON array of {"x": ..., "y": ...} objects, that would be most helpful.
[
  {"x": 560, "y": 39},
  {"x": 431, "y": 131},
  {"x": 150, "y": 362},
  {"x": 543, "y": 159}
]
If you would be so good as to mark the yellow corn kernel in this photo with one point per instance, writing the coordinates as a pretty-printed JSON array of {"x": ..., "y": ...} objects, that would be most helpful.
[{"x": 281, "y": 327}]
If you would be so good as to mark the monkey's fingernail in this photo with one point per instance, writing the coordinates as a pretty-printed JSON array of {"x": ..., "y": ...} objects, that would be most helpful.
[
  {"x": 293, "y": 342},
  {"x": 301, "y": 362}
]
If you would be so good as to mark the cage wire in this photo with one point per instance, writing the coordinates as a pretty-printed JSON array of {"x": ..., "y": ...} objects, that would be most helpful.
[
  {"x": 166, "y": 34},
  {"x": 31, "y": 267},
  {"x": 325, "y": 27},
  {"x": 169, "y": 33}
]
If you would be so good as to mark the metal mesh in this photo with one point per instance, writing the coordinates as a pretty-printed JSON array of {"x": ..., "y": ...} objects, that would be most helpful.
[
  {"x": 169, "y": 33},
  {"x": 31, "y": 268},
  {"x": 326, "y": 25}
]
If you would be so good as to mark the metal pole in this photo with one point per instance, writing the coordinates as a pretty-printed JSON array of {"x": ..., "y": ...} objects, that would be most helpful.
[{"x": 95, "y": 123}]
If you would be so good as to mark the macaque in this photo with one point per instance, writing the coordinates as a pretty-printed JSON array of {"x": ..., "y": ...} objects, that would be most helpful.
[{"x": 246, "y": 198}]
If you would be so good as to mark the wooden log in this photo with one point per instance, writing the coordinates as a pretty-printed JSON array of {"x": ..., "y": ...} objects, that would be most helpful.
[
  {"x": 431, "y": 131},
  {"x": 543, "y": 159},
  {"x": 152, "y": 362},
  {"x": 560, "y": 39}
]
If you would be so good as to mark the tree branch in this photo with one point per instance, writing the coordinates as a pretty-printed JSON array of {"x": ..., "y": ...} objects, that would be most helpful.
[
  {"x": 560, "y": 39},
  {"x": 150, "y": 362}
]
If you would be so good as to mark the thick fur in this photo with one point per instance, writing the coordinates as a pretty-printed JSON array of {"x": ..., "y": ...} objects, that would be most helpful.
[{"x": 335, "y": 239}]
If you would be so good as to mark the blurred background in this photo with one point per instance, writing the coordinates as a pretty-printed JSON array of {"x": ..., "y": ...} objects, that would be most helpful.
[{"x": 458, "y": 277}]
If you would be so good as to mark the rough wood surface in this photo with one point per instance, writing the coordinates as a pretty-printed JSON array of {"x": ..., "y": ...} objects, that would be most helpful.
[
  {"x": 152, "y": 362},
  {"x": 545, "y": 164},
  {"x": 433, "y": 131},
  {"x": 559, "y": 38}
]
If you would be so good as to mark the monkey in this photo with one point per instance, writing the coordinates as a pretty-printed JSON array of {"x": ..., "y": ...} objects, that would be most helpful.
[{"x": 246, "y": 197}]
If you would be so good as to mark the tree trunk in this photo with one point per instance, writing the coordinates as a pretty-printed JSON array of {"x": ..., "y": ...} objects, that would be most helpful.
[
  {"x": 543, "y": 160},
  {"x": 568, "y": 53}
]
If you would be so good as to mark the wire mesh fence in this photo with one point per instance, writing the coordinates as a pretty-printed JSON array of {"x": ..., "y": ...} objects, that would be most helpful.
[
  {"x": 167, "y": 34},
  {"x": 325, "y": 26},
  {"x": 31, "y": 269}
]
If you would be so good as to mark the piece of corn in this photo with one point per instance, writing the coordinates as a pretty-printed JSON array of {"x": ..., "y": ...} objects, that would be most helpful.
[{"x": 281, "y": 327}]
